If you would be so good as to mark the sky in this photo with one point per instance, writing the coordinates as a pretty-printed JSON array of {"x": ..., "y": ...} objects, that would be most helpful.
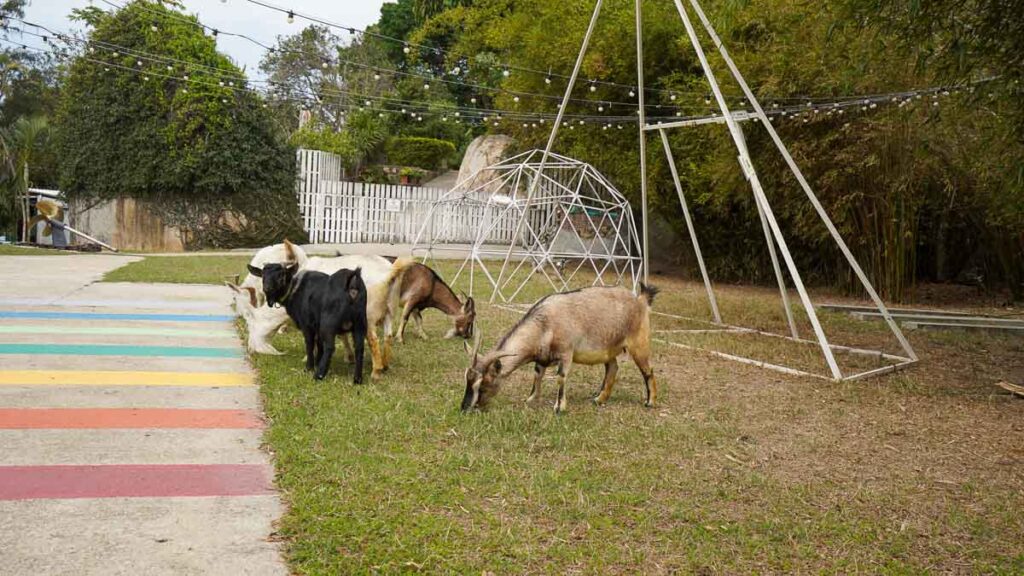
[{"x": 261, "y": 23}]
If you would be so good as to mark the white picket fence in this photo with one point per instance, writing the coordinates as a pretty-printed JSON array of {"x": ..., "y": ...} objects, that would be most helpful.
[{"x": 338, "y": 211}]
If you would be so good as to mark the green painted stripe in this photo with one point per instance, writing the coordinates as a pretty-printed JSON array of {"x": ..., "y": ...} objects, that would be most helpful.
[
  {"x": 116, "y": 350},
  {"x": 114, "y": 331}
]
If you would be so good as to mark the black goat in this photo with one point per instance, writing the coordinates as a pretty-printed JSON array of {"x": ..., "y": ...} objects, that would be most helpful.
[{"x": 322, "y": 307}]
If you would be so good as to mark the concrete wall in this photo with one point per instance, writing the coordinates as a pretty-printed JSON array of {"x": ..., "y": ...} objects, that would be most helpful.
[{"x": 127, "y": 225}]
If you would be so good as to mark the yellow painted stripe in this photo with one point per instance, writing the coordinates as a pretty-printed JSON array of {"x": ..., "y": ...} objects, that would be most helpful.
[{"x": 117, "y": 378}]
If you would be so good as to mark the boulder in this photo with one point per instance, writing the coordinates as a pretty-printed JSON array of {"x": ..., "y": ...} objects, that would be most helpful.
[{"x": 482, "y": 152}]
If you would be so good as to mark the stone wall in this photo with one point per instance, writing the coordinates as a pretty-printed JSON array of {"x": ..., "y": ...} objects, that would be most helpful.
[{"x": 126, "y": 225}]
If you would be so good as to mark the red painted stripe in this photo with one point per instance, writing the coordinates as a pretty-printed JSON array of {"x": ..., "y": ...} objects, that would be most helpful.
[
  {"x": 67, "y": 418},
  {"x": 133, "y": 481}
]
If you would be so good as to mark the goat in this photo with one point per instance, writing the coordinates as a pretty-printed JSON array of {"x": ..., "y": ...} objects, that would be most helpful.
[
  {"x": 380, "y": 276},
  {"x": 588, "y": 326},
  {"x": 323, "y": 307},
  {"x": 422, "y": 288}
]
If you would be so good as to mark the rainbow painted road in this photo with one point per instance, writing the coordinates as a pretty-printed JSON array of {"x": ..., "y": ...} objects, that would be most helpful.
[
  {"x": 119, "y": 350},
  {"x": 131, "y": 428}
]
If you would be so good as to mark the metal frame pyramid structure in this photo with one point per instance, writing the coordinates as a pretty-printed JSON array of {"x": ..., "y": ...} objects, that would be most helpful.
[
  {"x": 774, "y": 237},
  {"x": 557, "y": 217}
]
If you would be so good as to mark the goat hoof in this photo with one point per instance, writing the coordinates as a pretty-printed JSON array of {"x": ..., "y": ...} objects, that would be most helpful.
[
  {"x": 648, "y": 404},
  {"x": 597, "y": 401},
  {"x": 318, "y": 376},
  {"x": 375, "y": 375}
]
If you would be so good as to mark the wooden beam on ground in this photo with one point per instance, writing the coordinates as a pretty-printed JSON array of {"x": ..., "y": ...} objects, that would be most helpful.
[{"x": 932, "y": 325}]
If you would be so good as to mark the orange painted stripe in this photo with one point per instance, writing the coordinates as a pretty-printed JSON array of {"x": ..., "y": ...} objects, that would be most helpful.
[{"x": 110, "y": 418}]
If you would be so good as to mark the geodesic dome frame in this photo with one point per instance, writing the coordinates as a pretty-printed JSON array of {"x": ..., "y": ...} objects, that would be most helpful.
[{"x": 576, "y": 220}]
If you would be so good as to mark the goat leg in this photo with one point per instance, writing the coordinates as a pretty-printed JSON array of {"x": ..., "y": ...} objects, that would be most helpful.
[
  {"x": 538, "y": 376},
  {"x": 324, "y": 354},
  {"x": 641, "y": 356},
  {"x": 347, "y": 343},
  {"x": 371, "y": 336},
  {"x": 358, "y": 340},
  {"x": 563, "y": 372},
  {"x": 610, "y": 369},
  {"x": 406, "y": 311},
  {"x": 310, "y": 337},
  {"x": 418, "y": 317}
]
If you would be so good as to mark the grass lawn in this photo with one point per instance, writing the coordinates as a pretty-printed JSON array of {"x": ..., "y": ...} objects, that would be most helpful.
[
  {"x": 181, "y": 269},
  {"x": 12, "y": 250},
  {"x": 738, "y": 470}
]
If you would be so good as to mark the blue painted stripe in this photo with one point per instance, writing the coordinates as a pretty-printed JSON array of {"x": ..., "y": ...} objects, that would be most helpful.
[
  {"x": 104, "y": 316},
  {"x": 118, "y": 350}
]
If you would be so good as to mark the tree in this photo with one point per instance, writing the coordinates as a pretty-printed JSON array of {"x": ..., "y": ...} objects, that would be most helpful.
[
  {"x": 202, "y": 152},
  {"x": 18, "y": 143},
  {"x": 303, "y": 73}
]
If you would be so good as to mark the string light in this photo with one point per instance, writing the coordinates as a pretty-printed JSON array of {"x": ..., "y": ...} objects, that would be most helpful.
[
  {"x": 872, "y": 103},
  {"x": 291, "y": 17}
]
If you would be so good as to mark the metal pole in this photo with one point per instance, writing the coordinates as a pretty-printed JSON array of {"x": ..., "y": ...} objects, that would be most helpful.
[
  {"x": 689, "y": 227},
  {"x": 803, "y": 183},
  {"x": 641, "y": 122},
  {"x": 751, "y": 173},
  {"x": 551, "y": 139}
]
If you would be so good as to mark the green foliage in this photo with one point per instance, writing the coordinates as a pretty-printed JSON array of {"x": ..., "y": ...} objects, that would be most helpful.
[
  {"x": 426, "y": 153},
  {"x": 206, "y": 157},
  {"x": 327, "y": 140},
  {"x": 906, "y": 187},
  {"x": 19, "y": 143}
]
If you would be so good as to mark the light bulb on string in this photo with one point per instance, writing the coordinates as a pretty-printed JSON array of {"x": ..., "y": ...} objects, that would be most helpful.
[
  {"x": 506, "y": 73},
  {"x": 672, "y": 96},
  {"x": 291, "y": 17},
  {"x": 632, "y": 93},
  {"x": 376, "y": 76},
  {"x": 153, "y": 27},
  {"x": 406, "y": 49},
  {"x": 426, "y": 86},
  {"x": 515, "y": 98},
  {"x": 593, "y": 87}
]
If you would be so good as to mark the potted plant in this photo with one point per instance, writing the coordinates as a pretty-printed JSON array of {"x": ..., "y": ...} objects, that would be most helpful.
[{"x": 411, "y": 176}]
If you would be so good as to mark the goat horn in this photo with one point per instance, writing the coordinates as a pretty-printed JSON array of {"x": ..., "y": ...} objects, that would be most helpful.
[{"x": 476, "y": 345}]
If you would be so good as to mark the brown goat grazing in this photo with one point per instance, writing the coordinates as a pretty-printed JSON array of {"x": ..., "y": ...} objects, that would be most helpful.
[
  {"x": 422, "y": 288},
  {"x": 589, "y": 326}
]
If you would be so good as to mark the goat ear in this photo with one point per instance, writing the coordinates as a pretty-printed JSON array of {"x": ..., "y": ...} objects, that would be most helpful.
[
  {"x": 258, "y": 272},
  {"x": 292, "y": 268},
  {"x": 252, "y": 296},
  {"x": 469, "y": 306},
  {"x": 289, "y": 251}
]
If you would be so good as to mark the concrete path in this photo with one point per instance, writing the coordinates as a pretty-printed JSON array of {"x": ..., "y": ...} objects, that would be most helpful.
[{"x": 130, "y": 428}]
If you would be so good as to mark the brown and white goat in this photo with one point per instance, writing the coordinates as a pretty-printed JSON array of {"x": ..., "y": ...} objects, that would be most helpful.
[
  {"x": 589, "y": 326},
  {"x": 422, "y": 288}
]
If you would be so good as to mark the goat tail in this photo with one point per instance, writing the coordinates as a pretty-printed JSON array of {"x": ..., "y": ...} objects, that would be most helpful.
[
  {"x": 647, "y": 293},
  {"x": 394, "y": 282}
]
